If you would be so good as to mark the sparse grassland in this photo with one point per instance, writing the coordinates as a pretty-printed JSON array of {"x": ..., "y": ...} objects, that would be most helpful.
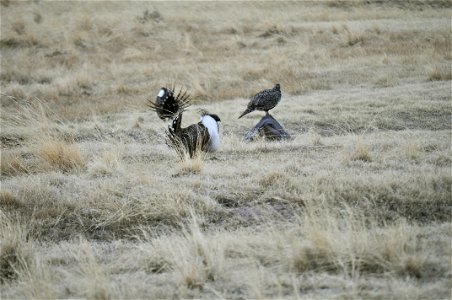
[{"x": 93, "y": 204}]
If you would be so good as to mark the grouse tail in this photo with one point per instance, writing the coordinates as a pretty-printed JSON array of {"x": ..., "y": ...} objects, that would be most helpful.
[{"x": 168, "y": 103}]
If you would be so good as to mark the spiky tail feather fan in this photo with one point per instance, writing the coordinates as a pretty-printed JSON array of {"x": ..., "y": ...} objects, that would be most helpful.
[{"x": 178, "y": 103}]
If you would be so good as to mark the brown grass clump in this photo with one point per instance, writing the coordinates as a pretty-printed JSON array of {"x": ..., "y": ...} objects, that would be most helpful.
[
  {"x": 203, "y": 261},
  {"x": 12, "y": 164},
  {"x": 353, "y": 37},
  {"x": 7, "y": 200},
  {"x": 412, "y": 151},
  {"x": 356, "y": 245},
  {"x": 315, "y": 139},
  {"x": 14, "y": 251},
  {"x": 360, "y": 152},
  {"x": 60, "y": 155},
  {"x": 191, "y": 165},
  {"x": 385, "y": 81},
  {"x": 192, "y": 255},
  {"x": 5, "y": 3},
  {"x": 19, "y": 27},
  {"x": 95, "y": 284},
  {"x": 440, "y": 73},
  {"x": 16, "y": 91},
  {"x": 19, "y": 41},
  {"x": 37, "y": 16},
  {"x": 270, "y": 179},
  {"x": 109, "y": 162}
]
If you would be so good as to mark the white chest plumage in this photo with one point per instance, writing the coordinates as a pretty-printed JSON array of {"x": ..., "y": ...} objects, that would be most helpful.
[{"x": 212, "y": 127}]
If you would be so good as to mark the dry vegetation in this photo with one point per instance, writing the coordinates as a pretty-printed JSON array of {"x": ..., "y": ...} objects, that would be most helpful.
[{"x": 94, "y": 204}]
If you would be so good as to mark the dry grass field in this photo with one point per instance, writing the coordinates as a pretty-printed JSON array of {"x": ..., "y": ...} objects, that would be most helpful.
[{"x": 93, "y": 204}]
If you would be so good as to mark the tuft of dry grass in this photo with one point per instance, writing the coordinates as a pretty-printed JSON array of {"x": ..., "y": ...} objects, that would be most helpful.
[
  {"x": 111, "y": 161},
  {"x": 95, "y": 284},
  {"x": 194, "y": 258},
  {"x": 360, "y": 152},
  {"x": 7, "y": 199},
  {"x": 315, "y": 138},
  {"x": 60, "y": 155},
  {"x": 440, "y": 73},
  {"x": 357, "y": 245},
  {"x": 412, "y": 151},
  {"x": 191, "y": 165},
  {"x": 15, "y": 253},
  {"x": 37, "y": 17},
  {"x": 19, "y": 27},
  {"x": 353, "y": 38},
  {"x": 35, "y": 281},
  {"x": 270, "y": 179},
  {"x": 12, "y": 164}
]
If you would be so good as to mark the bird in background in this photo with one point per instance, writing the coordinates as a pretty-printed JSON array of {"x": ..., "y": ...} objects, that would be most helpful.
[
  {"x": 264, "y": 100},
  {"x": 167, "y": 103},
  {"x": 203, "y": 136}
]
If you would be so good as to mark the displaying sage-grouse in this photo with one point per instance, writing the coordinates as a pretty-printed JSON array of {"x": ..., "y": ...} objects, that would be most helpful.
[
  {"x": 196, "y": 137},
  {"x": 166, "y": 104},
  {"x": 265, "y": 100}
]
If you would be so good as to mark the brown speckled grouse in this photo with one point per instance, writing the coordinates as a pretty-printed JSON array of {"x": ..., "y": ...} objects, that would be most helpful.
[
  {"x": 265, "y": 100},
  {"x": 196, "y": 137}
]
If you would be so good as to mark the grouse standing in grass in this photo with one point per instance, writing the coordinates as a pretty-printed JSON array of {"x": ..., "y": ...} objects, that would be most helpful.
[
  {"x": 167, "y": 104},
  {"x": 196, "y": 137},
  {"x": 265, "y": 100}
]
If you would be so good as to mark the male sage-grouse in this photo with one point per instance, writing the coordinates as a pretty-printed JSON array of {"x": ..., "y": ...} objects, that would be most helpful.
[
  {"x": 265, "y": 100},
  {"x": 166, "y": 104},
  {"x": 196, "y": 137}
]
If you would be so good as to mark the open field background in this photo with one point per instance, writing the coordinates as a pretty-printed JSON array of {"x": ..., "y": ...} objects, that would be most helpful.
[{"x": 94, "y": 204}]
